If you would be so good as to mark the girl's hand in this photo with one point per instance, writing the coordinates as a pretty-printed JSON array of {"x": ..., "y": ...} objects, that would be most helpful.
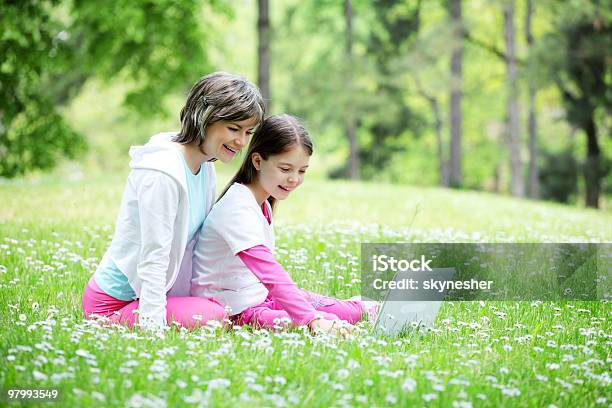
[{"x": 334, "y": 327}]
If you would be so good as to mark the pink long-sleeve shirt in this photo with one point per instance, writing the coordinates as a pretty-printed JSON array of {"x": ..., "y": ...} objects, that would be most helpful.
[{"x": 262, "y": 263}]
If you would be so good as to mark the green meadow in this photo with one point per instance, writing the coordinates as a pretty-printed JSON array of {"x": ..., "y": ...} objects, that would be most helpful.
[{"x": 54, "y": 230}]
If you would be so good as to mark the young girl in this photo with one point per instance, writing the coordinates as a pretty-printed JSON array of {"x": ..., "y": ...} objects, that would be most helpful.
[
  {"x": 234, "y": 255},
  {"x": 144, "y": 275}
]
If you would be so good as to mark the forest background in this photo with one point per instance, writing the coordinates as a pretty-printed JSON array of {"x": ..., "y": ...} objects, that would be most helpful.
[{"x": 511, "y": 96}]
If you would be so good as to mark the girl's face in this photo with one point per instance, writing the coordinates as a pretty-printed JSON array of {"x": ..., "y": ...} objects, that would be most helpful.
[
  {"x": 281, "y": 173},
  {"x": 225, "y": 139}
]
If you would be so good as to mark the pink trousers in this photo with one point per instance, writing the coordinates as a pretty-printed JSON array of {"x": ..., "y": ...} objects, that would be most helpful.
[
  {"x": 270, "y": 313},
  {"x": 190, "y": 312}
]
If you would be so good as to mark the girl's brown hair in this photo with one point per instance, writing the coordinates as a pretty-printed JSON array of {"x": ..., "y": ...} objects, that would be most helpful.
[{"x": 277, "y": 134}]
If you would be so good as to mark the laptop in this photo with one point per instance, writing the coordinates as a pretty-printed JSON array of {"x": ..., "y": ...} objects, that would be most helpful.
[{"x": 405, "y": 311}]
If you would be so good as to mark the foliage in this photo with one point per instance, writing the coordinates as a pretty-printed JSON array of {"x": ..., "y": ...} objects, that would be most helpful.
[
  {"x": 159, "y": 45},
  {"x": 558, "y": 175},
  {"x": 32, "y": 134},
  {"x": 51, "y": 49},
  {"x": 394, "y": 29},
  {"x": 577, "y": 57},
  {"x": 139, "y": 52}
]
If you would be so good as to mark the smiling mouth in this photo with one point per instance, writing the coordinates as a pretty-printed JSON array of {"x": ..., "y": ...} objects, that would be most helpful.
[
  {"x": 284, "y": 189},
  {"x": 233, "y": 151}
]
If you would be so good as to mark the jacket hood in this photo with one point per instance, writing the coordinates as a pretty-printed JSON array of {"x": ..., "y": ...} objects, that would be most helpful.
[{"x": 159, "y": 154}]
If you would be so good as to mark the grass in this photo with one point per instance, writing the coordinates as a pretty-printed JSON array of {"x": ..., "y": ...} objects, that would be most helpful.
[{"x": 53, "y": 232}]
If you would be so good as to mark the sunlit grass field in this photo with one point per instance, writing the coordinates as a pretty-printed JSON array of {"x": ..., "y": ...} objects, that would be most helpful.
[{"x": 53, "y": 232}]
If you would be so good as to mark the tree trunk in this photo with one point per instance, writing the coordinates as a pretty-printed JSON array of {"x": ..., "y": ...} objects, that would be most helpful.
[
  {"x": 592, "y": 165},
  {"x": 517, "y": 185},
  {"x": 532, "y": 127},
  {"x": 435, "y": 108},
  {"x": 442, "y": 164},
  {"x": 351, "y": 126},
  {"x": 456, "y": 94},
  {"x": 263, "y": 51},
  {"x": 533, "y": 178}
]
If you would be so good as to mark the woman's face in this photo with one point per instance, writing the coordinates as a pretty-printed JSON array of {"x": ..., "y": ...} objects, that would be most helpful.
[
  {"x": 224, "y": 139},
  {"x": 282, "y": 173}
]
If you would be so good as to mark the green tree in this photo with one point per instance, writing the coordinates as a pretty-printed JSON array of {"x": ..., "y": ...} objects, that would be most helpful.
[
  {"x": 393, "y": 33},
  {"x": 32, "y": 134},
  {"x": 50, "y": 49},
  {"x": 456, "y": 113},
  {"x": 354, "y": 163},
  {"x": 513, "y": 135},
  {"x": 533, "y": 184},
  {"x": 263, "y": 50},
  {"x": 578, "y": 55}
]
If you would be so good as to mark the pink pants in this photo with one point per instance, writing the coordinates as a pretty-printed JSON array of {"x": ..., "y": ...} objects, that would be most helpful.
[
  {"x": 269, "y": 313},
  {"x": 178, "y": 309}
]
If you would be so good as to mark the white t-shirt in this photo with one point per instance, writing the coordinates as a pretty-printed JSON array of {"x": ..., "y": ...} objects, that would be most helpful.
[{"x": 235, "y": 223}]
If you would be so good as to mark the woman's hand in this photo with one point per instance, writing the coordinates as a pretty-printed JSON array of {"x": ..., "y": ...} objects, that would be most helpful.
[{"x": 334, "y": 327}]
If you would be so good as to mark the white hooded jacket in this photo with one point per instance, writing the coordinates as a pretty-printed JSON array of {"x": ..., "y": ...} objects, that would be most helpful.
[{"x": 151, "y": 233}]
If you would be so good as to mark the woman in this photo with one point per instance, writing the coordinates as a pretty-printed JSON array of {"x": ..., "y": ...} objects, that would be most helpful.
[{"x": 144, "y": 275}]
